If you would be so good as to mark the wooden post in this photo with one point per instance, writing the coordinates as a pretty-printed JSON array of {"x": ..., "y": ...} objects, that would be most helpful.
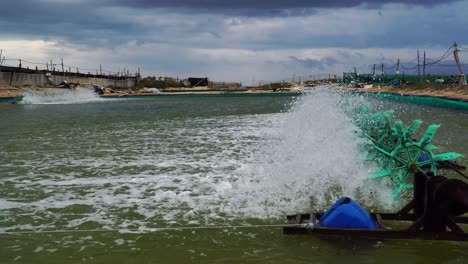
[
  {"x": 419, "y": 73},
  {"x": 424, "y": 67},
  {"x": 462, "y": 80},
  {"x": 382, "y": 77},
  {"x": 398, "y": 69}
]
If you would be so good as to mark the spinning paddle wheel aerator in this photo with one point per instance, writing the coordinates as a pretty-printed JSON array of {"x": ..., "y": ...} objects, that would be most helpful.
[{"x": 396, "y": 152}]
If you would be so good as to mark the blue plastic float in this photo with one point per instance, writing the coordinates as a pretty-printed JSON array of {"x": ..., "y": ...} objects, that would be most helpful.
[{"x": 346, "y": 213}]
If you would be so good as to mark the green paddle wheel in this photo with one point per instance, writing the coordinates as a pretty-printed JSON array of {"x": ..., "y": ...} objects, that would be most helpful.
[{"x": 395, "y": 150}]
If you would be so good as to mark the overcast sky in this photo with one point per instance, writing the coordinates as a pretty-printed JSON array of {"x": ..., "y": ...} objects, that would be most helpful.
[{"x": 242, "y": 40}]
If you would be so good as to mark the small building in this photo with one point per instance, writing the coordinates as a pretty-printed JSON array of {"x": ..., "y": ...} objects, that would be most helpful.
[{"x": 198, "y": 81}]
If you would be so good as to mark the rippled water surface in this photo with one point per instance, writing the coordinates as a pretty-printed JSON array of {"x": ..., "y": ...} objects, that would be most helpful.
[{"x": 164, "y": 180}]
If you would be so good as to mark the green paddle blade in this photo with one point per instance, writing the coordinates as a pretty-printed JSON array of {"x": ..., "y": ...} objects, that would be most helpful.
[{"x": 394, "y": 150}]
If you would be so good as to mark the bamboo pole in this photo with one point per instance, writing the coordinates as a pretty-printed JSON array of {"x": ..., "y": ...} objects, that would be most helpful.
[
  {"x": 419, "y": 73},
  {"x": 424, "y": 66},
  {"x": 462, "y": 80},
  {"x": 398, "y": 69},
  {"x": 382, "y": 77}
]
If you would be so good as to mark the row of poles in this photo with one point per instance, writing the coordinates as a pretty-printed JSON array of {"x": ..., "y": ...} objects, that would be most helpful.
[
  {"x": 462, "y": 80},
  {"x": 419, "y": 66},
  {"x": 51, "y": 67}
]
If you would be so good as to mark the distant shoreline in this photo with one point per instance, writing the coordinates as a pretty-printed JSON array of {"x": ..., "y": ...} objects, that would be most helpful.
[
  {"x": 448, "y": 93},
  {"x": 460, "y": 94},
  {"x": 9, "y": 94},
  {"x": 205, "y": 94}
]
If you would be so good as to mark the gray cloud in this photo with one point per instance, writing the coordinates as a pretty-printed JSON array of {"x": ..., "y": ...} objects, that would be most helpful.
[
  {"x": 114, "y": 22},
  {"x": 314, "y": 64},
  {"x": 268, "y": 4},
  {"x": 260, "y": 8},
  {"x": 237, "y": 26}
]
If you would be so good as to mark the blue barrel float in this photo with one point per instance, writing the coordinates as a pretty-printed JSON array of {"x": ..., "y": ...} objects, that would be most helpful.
[{"x": 346, "y": 213}]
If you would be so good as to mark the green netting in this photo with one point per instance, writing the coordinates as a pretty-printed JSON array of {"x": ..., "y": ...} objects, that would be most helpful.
[
  {"x": 389, "y": 79},
  {"x": 425, "y": 100}
]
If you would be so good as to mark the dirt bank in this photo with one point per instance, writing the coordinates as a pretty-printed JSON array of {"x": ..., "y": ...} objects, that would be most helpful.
[{"x": 9, "y": 91}]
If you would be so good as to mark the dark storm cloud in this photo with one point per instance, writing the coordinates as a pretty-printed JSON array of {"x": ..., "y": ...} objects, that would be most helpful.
[
  {"x": 268, "y": 4},
  {"x": 73, "y": 21},
  {"x": 226, "y": 32},
  {"x": 112, "y": 22},
  {"x": 261, "y": 8}
]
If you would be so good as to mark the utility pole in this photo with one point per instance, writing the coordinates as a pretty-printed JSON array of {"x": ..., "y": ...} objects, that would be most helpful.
[
  {"x": 457, "y": 60},
  {"x": 398, "y": 69},
  {"x": 1, "y": 61},
  {"x": 100, "y": 68},
  {"x": 62, "y": 65},
  {"x": 20, "y": 63},
  {"x": 419, "y": 73},
  {"x": 424, "y": 66},
  {"x": 381, "y": 78},
  {"x": 373, "y": 71}
]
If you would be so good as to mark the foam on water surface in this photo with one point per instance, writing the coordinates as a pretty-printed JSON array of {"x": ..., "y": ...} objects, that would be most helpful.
[
  {"x": 189, "y": 171},
  {"x": 79, "y": 95}
]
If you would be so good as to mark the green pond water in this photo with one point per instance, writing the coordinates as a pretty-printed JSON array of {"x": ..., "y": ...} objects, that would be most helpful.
[{"x": 196, "y": 180}]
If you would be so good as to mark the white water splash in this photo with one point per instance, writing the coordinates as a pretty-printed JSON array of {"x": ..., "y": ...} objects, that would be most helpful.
[
  {"x": 198, "y": 171},
  {"x": 80, "y": 95},
  {"x": 314, "y": 152}
]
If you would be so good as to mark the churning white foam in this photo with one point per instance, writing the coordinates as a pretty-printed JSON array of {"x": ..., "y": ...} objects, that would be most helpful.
[
  {"x": 79, "y": 95},
  {"x": 313, "y": 151},
  {"x": 204, "y": 170}
]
